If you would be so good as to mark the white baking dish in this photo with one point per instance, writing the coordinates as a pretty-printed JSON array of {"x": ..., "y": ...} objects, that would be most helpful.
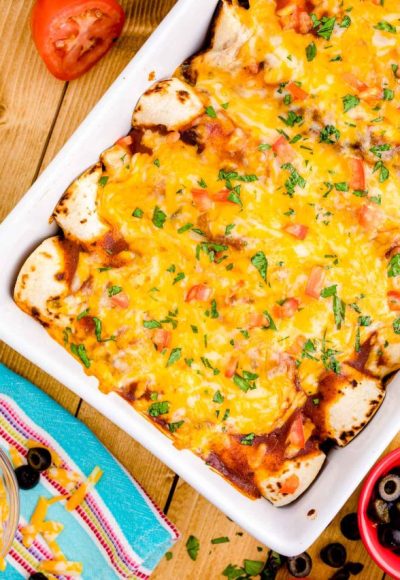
[{"x": 288, "y": 530}]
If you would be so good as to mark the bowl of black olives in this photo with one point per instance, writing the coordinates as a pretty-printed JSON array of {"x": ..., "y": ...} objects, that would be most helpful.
[{"x": 379, "y": 513}]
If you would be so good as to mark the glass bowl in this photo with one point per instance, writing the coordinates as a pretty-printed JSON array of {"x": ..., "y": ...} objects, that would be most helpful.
[{"x": 12, "y": 492}]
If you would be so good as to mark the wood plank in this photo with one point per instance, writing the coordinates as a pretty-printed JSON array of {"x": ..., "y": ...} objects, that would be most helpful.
[
  {"x": 152, "y": 474},
  {"x": 83, "y": 94},
  {"x": 194, "y": 515},
  {"x": 29, "y": 98}
]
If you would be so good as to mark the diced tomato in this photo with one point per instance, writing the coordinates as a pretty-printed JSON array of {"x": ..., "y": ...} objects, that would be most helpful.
[
  {"x": 354, "y": 82},
  {"x": 231, "y": 367},
  {"x": 125, "y": 141},
  {"x": 297, "y": 346},
  {"x": 296, "y": 433},
  {"x": 162, "y": 338},
  {"x": 370, "y": 217},
  {"x": 200, "y": 292},
  {"x": 304, "y": 23},
  {"x": 287, "y": 309},
  {"x": 297, "y": 92},
  {"x": 72, "y": 35},
  {"x": 371, "y": 94},
  {"x": 393, "y": 299},
  {"x": 222, "y": 195},
  {"x": 202, "y": 199},
  {"x": 315, "y": 282},
  {"x": 120, "y": 300},
  {"x": 258, "y": 320},
  {"x": 283, "y": 150},
  {"x": 298, "y": 231},
  {"x": 357, "y": 173},
  {"x": 290, "y": 485}
]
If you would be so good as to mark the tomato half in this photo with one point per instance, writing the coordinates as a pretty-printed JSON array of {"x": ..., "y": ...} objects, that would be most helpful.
[{"x": 72, "y": 35}]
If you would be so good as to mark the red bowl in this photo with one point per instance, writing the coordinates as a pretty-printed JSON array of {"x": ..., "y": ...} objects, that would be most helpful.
[{"x": 389, "y": 562}]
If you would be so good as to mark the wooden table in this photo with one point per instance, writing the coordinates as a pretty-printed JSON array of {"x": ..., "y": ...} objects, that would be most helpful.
[{"x": 37, "y": 115}]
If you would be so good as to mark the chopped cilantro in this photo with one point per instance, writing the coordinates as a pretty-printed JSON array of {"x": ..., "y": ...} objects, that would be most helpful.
[
  {"x": 364, "y": 320},
  {"x": 394, "y": 266},
  {"x": 178, "y": 278},
  {"x": 185, "y": 228},
  {"x": 114, "y": 290},
  {"x": 385, "y": 26},
  {"x": 329, "y": 134},
  {"x": 264, "y": 147},
  {"x": 173, "y": 427},
  {"x": 150, "y": 324},
  {"x": 272, "y": 324},
  {"x": 342, "y": 186},
  {"x": 253, "y": 567},
  {"x": 221, "y": 540},
  {"x": 137, "y": 213},
  {"x": 210, "y": 111},
  {"x": 383, "y": 171},
  {"x": 324, "y": 27},
  {"x": 103, "y": 180},
  {"x": 311, "y": 51},
  {"x": 349, "y": 102},
  {"x": 247, "y": 439},
  {"x": 174, "y": 356},
  {"x": 202, "y": 183},
  {"x": 157, "y": 162},
  {"x": 218, "y": 397},
  {"x": 79, "y": 350},
  {"x": 193, "y": 547},
  {"x": 83, "y": 314},
  {"x": 168, "y": 556},
  {"x": 396, "y": 326},
  {"x": 158, "y": 408},
  {"x": 292, "y": 119},
  {"x": 329, "y": 291},
  {"x": 159, "y": 217},
  {"x": 388, "y": 95},
  {"x": 260, "y": 262},
  {"x": 339, "y": 311},
  {"x": 345, "y": 22}
]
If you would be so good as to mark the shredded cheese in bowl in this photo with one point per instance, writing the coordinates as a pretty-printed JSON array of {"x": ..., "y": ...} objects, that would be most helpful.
[{"x": 9, "y": 506}]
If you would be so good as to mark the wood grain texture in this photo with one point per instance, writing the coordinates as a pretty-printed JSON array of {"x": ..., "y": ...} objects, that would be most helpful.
[{"x": 37, "y": 115}]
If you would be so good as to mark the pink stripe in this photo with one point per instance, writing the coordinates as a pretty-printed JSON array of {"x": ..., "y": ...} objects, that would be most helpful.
[{"x": 93, "y": 506}]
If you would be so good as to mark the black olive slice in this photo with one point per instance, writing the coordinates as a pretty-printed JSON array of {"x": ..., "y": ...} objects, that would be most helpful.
[
  {"x": 27, "y": 477},
  {"x": 378, "y": 511},
  {"x": 389, "y": 537},
  {"x": 37, "y": 576},
  {"x": 342, "y": 574},
  {"x": 334, "y": 555},
  {"x": 354, "y": 568},
  {"x": 39, "y": 458},
  {"x": 299, "y": 566},
  {"x": 389, "y": 487},
  {"x": 349, "y": 527},
  {"x": 394, "y": 512}
]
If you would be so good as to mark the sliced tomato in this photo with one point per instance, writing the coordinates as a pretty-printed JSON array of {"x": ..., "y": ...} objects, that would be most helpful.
[
  {"x": 162, "y": 338},
  {"x": 298, "y": 231},
  {"x": 287, "y": 309},
  {"x": 231, "y": 367},
  {"x": 371, "y": 94},
  {"x": 258, "y": 320},
  {"x": 297, "y": 92},
  {"x": 202, "y": 199},
  {"x": 125, "y": 141},
  {"x": 200, "y": 292},
  {"x": 296, "y": 433},
  {"x": 315, "y": 282},
  {"x": 290, "y": 485},
  {"x": 283, "y": 150},
  {"x": 72, "y": 35},
  {"x": 357, "y": 173},
  {"x": 393, "y": 299},
  {"x": 370, "y": 217},
  {"x": 120, "y": 300}
]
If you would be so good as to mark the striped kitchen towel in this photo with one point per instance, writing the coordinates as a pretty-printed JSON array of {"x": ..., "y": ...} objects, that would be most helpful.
[{"x": 115, "y": 532}]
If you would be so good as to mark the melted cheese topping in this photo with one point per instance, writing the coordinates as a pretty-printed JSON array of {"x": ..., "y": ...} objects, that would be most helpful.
[{"x": 293, "y": 190}]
